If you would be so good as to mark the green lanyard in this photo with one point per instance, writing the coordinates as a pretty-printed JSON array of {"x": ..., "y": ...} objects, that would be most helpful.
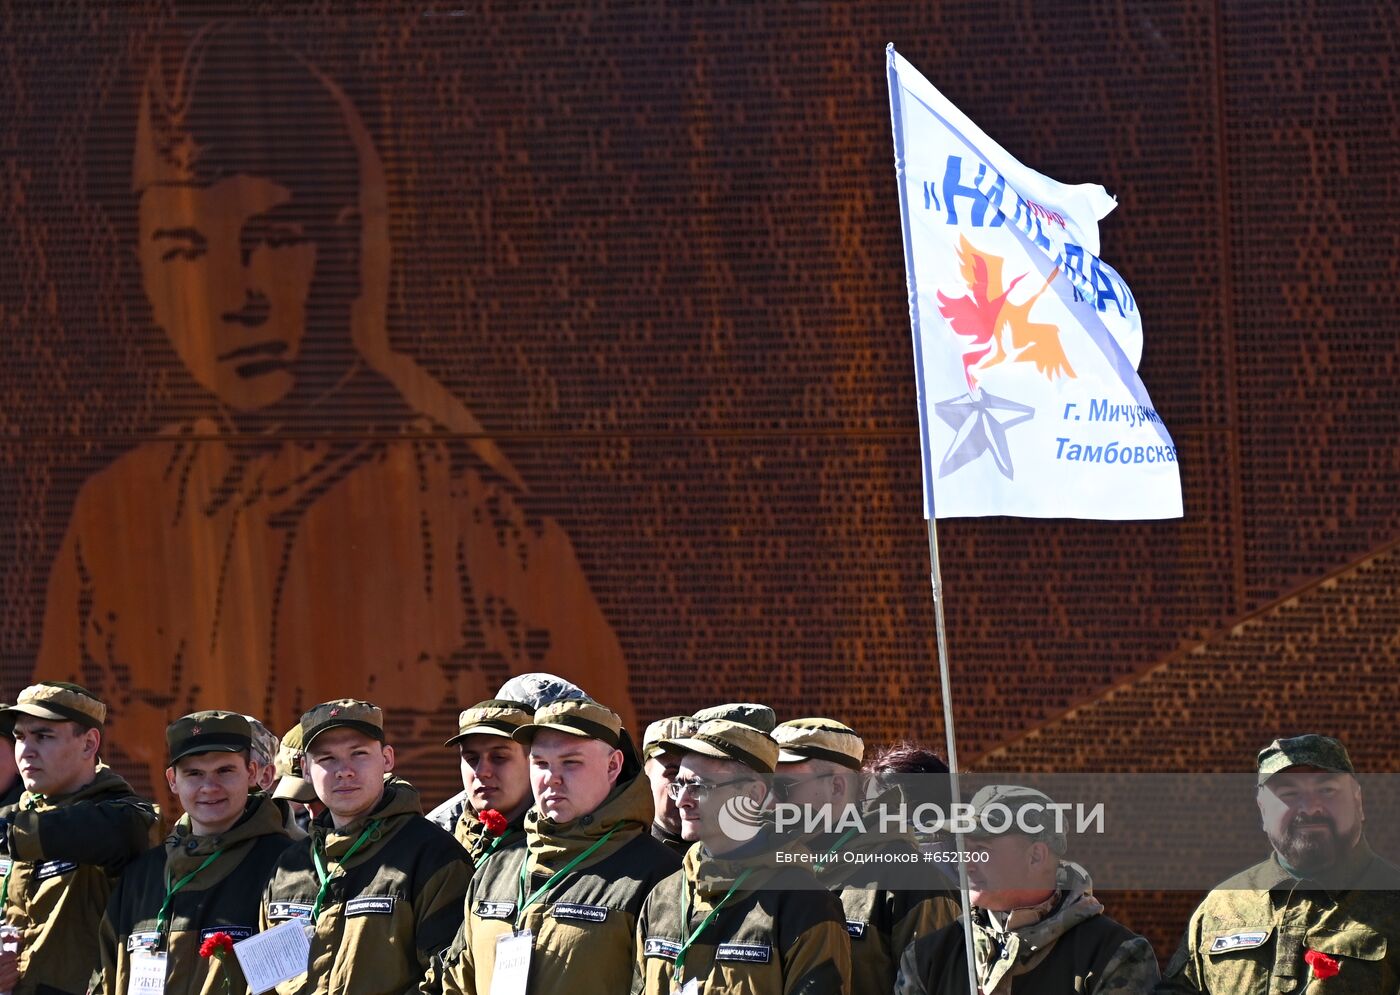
[
  {"x": 685, "y": 918},
  {"x": 837, "y": 845},
  {"x": 30, "y": 806},
  {"x": 163, "y": 916},
  {"x": 493, "y": 846},
  {"x": 525, "y": 903},
  {"x": 324, "y": 874}
]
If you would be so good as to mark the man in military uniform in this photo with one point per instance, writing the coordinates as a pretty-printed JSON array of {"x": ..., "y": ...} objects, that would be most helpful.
[
  {"x": 380, "y": 886},
  {"x": 208, "y": 877},
  {"x": 495, "y": 776},
  {"x": 11, "y": 784},
  {"x": 819, "y": 769},
  {"x": 661, "y": 767},
  {"x": 1322, "y": 906},
  {"x": 734, "y": 918},
  {"x": 561, "y": 911},
  {"x": 76, "y": 826},
  {"x": 1037, "y": 926}
]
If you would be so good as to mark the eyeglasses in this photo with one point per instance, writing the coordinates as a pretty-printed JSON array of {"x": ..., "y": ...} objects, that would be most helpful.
[
  {"x": 782, "y": 786},
  {"x": 700, "y": 789}
]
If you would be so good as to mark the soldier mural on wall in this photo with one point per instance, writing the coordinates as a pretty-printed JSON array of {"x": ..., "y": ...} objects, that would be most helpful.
[{"x": 336, "y": 522}]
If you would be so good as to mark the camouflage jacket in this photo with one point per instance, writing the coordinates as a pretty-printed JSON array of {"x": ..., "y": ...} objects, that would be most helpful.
[
  {"x": 1251, "y": 934},
  {"x": 780, "y": 934},
  {"x": 1068, "y": 946},
  {"x": 65, "y": 853}
]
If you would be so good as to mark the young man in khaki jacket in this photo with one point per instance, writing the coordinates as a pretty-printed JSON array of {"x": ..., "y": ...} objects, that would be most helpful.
[
  {"x": 379, "y": 884},
  {"x": 75, "y": 828},
  {"x": 207, "y": 878},
  {"x": 560, "y": 912}
]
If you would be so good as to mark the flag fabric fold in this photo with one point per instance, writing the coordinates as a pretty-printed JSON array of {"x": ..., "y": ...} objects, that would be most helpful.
[{"x": 1026, "y": 343}]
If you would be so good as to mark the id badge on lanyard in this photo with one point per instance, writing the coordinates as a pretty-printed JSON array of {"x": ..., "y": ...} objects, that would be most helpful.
[
  {"x": 691, "y": 987},
  {"x": 513, "y": 952},
  {"x": 147, "y": 972}
]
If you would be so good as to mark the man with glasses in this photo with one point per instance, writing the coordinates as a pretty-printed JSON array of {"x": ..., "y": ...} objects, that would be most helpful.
[
  {"x": 559, "y": 913},
  {"x": 736, "y": 917},
  {"x": 1322, "y": 908},
  {"x": 819, "y": 770}
]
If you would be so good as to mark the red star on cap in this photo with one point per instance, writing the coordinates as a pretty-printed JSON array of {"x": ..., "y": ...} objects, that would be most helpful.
[
  {"x": 195, "y": 731},
  {"x": 335, "y": 711}
]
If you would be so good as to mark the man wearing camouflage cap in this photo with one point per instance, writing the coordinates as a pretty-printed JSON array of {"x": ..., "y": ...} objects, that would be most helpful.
[
  {"x": 209, "y": 875},
  {"x": 75, "y": 828},
  {"x": 734, "y": 918},
  {"x": 1322, "y": 908},
  {"x": 1036, "y": 924},
  {"x": 380, "y": 886},
  {"x": 495, "y": 776},
  {"x": 559, "y": 913},
  {"x": 746, "y": 713},
  {"x": 661, "y": 767},
  {"x": 819, "y": 769}
]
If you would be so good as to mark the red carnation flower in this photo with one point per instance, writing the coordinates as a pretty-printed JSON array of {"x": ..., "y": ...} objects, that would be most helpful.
[
  {"x": 494, "y": 821},
  {"x": 1322, "y": 965},
  {"x": 216, "y": 945}
]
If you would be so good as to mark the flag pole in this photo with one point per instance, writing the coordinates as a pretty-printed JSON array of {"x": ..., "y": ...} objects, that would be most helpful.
[{"x": 936, "y": 577}]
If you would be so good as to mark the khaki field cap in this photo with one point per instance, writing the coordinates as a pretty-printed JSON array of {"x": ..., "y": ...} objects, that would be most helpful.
[
  {"x": 57, "y": 701},
  {"x": 1311, "y": 750},
  {"x": 291, "y": 783},
  {"x": 208, "y": 732},
  {"x": 670, "y": 728},
  {"x": 747, "y": 713},
  {"x": 348, "y": 713},
  {"x": 726, "y": 740},
  {"x": 494, "y": 717},
  {"x": 819, "y": 739},
  {"x": 1018, "y": 807},
  {"x": 587, "y": 719}
]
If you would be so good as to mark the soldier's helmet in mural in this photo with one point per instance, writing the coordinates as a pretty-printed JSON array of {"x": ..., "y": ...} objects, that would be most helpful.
[{"x": 331, "y": 520}]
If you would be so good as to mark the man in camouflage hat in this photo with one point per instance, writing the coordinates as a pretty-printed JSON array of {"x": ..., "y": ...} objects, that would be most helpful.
[
  {"x": 1037, "y": 926},
  {"x": 747, "y": 713},
  {"x": 1323, "y": 907},
  {"x": 75, "y": 828},
  {"x": 819, "y": 769},
  {"x": 661, "y": 767},
  {"x": 263, "y": 753},
  {"x": 380, "y": 886},
  {"x": 734, "y": 918},
  {"x": 559, "y": 913},
  {"x": 291, "y": 790},
  {"x": 495, "y": 777},
  {"x": 207, "y": 878}
]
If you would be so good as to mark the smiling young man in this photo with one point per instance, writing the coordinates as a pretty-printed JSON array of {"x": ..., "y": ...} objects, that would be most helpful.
[
  {"x": 74, "y": 829},
  {"x": 495, "y": 777},
  {"x": 559, "y": 913},
  {"x": 381, "y": 885},
  {"x": 733, "y": 919},
  {"x": 1323, "y": 891},
  {"x": 207, "y": 878}
]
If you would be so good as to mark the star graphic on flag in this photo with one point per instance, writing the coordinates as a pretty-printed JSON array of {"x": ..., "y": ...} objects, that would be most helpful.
[{"x": 976, "y": 429}]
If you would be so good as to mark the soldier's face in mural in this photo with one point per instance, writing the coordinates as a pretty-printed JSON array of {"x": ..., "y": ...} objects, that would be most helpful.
[{"x": 228, "y": 271}]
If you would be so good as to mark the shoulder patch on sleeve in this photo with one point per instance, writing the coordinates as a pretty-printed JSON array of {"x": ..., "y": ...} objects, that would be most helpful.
[
  {"x": 53, "y": 868},
  {"x": 494, "y": 910},
  {"x": 582, "y": 913},
  {"x": 748, "y": 953},
  {"x": 657, "y": 946},
  {"x": 288, "y": 910},
  {"x": 370, "y": 905}
]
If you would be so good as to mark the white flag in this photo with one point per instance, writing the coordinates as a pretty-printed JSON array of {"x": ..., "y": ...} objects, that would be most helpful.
[{"x": 1026, "y": 343}]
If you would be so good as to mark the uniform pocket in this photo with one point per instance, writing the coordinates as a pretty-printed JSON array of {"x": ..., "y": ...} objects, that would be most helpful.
[{"x": 1360, "y": 942}]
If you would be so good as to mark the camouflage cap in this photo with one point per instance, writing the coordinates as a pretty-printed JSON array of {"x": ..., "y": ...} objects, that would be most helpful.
[
  {"x": 349, "y": 713},
  {"x": 265, "y": 742},
  {"x": 819, "y": 739},
  {"x": 586, "y": 719},
  {"x": 540, "y": 689},
  {"x": 493, "y": 717},
  {"x": 1310, "y": 750},
  {"x": 724, "y": 739},
  {"x": 747, "y": 713},
  {"x": 291, "y": 783},
  {"x": 207, "y": 732},
  {"x": 673, "y": 727},
  {"x": 1011, "y": 801},
  {"x": 57, "y": 701}
]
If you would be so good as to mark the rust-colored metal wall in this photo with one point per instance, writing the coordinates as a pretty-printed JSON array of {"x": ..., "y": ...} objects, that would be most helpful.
[{"x": 594, "y": 353}]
